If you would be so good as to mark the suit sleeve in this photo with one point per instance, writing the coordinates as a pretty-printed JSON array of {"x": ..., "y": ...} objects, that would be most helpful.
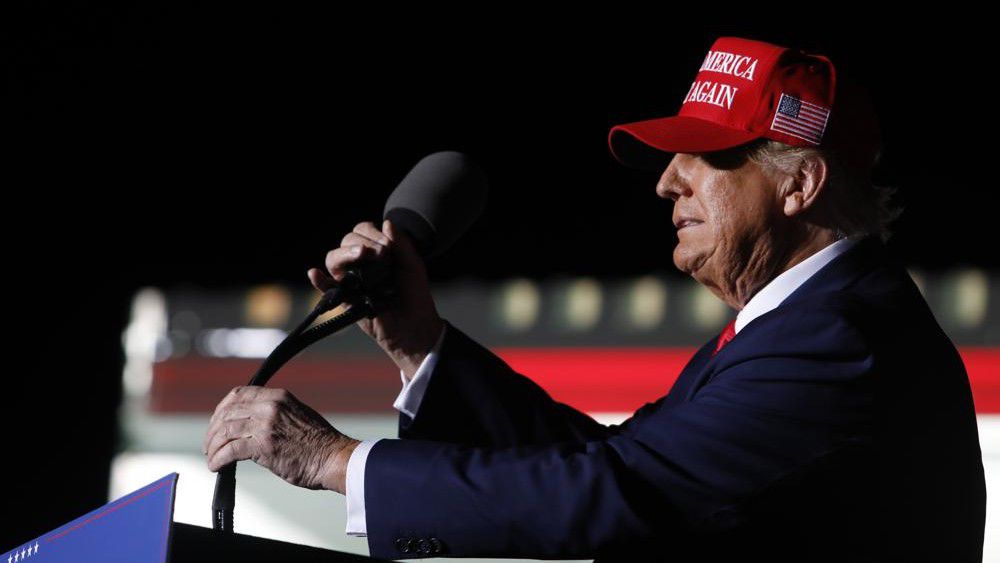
[
  {"x": 407, "y": 401},
  {"x": 473, "y": 397},
  {"x": 770, "y": 438}
]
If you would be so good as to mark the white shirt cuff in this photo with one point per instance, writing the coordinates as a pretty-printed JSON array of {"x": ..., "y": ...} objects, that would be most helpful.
[
  {"x": 354, "y": 487},
  {"x": 413, "y": 389}
]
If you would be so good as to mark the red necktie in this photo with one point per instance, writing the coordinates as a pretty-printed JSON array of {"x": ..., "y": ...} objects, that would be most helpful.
[{"x": 727, "y": 334}]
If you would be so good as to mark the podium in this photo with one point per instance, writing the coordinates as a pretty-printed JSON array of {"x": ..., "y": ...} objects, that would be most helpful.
[{"x": 139, "y": 528}]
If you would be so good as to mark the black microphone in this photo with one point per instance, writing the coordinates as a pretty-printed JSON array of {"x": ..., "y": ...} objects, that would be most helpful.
[{"x": 434, "y": 204}]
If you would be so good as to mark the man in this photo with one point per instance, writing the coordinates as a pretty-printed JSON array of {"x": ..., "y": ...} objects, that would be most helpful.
[{"x": 830, "y": 420}]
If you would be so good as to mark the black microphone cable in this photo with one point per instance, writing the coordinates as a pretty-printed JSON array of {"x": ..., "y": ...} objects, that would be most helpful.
[{"x": 350, "y": 290}]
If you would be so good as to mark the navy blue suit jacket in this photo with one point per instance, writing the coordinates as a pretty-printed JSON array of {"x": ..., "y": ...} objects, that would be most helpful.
[{"x": 838, "y": 426}]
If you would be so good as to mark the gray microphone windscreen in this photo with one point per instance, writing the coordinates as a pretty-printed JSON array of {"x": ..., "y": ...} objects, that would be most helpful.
[{"x": 438, "y": 200}]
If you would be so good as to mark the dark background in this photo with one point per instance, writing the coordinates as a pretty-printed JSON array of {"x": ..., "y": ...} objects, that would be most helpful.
[{"x": 226, "y": 145}]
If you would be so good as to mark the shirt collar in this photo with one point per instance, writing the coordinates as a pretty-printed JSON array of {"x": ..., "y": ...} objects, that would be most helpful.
[{"x": 775, "y": 291}]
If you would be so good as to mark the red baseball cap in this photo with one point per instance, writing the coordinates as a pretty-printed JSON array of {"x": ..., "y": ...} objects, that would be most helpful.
[{"x": 747, "y": 89}]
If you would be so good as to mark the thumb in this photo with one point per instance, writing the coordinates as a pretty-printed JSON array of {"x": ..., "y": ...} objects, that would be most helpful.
[
  {"x": 397, "y": 236},
  {"x": 407, "y": 252}
]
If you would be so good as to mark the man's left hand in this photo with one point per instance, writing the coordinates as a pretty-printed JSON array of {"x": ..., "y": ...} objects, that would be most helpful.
[{"x": 276, "y": 430}]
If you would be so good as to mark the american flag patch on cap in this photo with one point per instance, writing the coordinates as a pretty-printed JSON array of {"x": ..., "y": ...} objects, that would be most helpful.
[{"x": 800, "y": 119}]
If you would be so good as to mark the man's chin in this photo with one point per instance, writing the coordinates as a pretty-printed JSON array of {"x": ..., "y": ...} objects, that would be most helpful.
[{"x": 686, "y": 261}]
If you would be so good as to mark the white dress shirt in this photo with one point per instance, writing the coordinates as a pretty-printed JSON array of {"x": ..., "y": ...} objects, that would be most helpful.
[
  {"x": 776, "y": 290},
  {"x": 408, "y": 400}
]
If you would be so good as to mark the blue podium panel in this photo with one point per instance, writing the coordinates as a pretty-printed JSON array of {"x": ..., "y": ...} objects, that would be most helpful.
[{"x": 134, "y": 528}]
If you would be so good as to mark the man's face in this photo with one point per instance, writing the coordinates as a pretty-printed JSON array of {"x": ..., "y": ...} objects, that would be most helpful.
[{"x": 727, "y": 212}]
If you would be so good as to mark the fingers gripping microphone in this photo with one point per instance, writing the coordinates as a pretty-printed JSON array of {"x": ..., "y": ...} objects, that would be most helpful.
[{"x": 434, "y": 204}]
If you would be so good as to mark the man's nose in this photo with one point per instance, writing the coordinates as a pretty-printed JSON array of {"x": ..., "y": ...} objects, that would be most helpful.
[{"x": 673, "y": 183}]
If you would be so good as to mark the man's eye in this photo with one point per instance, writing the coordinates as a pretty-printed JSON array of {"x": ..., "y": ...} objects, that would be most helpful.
[{"x": 726, "y": 159}]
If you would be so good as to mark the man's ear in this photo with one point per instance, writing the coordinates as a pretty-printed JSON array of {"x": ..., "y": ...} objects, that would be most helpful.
[{"x": 803, "y": 190}]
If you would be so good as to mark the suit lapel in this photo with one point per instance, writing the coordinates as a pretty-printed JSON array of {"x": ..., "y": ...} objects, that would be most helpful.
[
  {"x": 836, "y": 274},
  {"x": 696, "y": 365}
]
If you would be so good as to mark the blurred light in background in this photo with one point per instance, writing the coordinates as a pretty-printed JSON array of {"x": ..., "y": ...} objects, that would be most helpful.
[
  {"x": 239, "y": 342},
  {"x": 708, "y": 312},
  {"x": 965, "y": 298},
  {"x": 268, "y": 305},
  {"x": 519, "y": 304},
  {"x": 144, "y": 340},
  {"x": 646, "y": 303},
  {"x": 582, "y": 301}
]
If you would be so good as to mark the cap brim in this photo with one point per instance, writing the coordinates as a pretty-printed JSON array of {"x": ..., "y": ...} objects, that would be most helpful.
[{"x": 649, "y": 144}]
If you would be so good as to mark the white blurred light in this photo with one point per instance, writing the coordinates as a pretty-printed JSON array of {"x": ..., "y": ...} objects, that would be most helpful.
[
  {"x": 583, "y": 304},
  {"x": 212, "y": 342},
  {"x": 253, "y": 342},
  {"x": 164, "y": 349},
  {"x": 239, "y": 342},
  {"x": 968, "y": 295},
  {"x": 647, "y": 303},
  {"x": 709, "y": 311},
  {"x": 520, "y": 303},
  {"x": 144, "y": 335}
]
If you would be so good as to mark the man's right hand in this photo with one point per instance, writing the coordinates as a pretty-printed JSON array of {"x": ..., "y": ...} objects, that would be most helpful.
[{"x": 407, "y": 325}]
